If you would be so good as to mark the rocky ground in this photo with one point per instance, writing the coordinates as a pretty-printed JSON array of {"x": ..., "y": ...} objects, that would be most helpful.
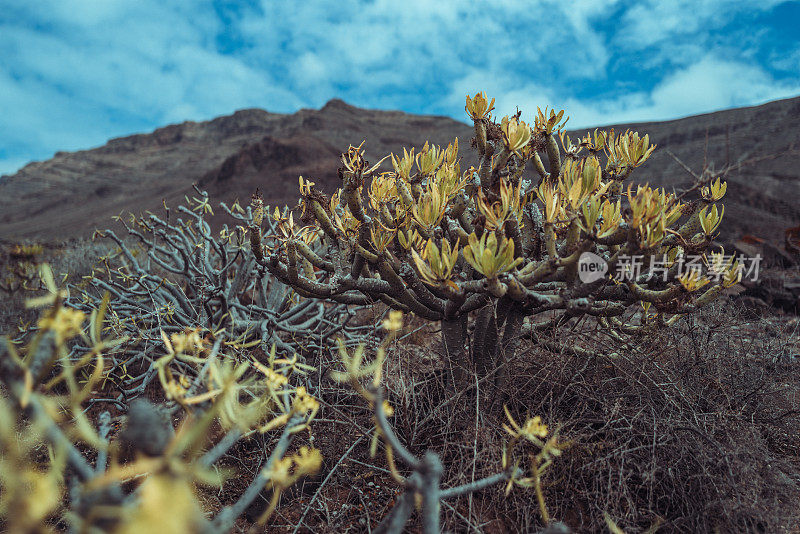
[{"x": 694, "y": 429}]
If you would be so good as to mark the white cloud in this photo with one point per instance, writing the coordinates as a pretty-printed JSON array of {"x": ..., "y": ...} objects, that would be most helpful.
[
  {"x": 104, "y": 69},
  {"x": 787, "y": 61},
  {"x": 368, "y": 46},
  {"x": 654, "y": 21},
  {"x": 76, "y": 72},
  {"x": 707, "y": 85}
]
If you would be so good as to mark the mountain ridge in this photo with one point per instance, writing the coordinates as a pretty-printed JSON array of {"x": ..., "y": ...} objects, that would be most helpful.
[{"x": 232, "y": 155}]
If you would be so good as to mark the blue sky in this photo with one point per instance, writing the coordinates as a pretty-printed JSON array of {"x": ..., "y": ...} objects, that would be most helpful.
[{"x": 75, "y": 73}]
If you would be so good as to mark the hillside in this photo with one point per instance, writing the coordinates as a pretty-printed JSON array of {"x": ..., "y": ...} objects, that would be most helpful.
[{"x": 72, "y": 193}]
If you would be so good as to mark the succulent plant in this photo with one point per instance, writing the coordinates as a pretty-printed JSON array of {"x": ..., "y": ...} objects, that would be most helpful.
[
  {"x": 442, "y": 242},
  {"x": 172, "y": 278},
  {"x": 45, "y": 400}
]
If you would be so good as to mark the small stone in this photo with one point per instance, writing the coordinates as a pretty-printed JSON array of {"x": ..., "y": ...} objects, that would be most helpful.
[{"x": 148, "y": 430}]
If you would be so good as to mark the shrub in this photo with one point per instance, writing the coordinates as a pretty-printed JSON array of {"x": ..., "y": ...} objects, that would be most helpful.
[
  {"x": 429, "y": 239},
  {"x": 146, "y": 479},
  {"x": 184, "y": 329},
  {"x": 176, "y": 276},
  {"x": 439, "y": 243},
  {"x": 183, "y": 339}
]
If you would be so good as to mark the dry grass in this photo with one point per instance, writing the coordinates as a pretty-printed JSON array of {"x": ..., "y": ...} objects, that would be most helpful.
[
  {"x": 694, "y": 429},
  {"x": 69, "y": 260}
]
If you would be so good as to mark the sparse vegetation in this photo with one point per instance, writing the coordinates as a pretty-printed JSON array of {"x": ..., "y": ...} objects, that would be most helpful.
[
  {"x": 146, "y": 479},
  {"x": 417, "y": 352},
  {"x": 442, "y": 244}
]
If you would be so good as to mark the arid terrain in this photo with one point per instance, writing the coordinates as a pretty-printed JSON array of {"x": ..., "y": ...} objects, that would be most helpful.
[
  {"x": 692, "y": 428},
  {"x": 73, "y": 193},
  {"x": 68, "y": 196}
]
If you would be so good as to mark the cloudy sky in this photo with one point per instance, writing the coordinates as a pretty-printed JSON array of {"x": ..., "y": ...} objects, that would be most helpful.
[{"x": 75, "y": 73}]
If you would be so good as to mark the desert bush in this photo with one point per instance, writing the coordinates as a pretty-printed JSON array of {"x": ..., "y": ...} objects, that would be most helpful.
[
  {"x": 59, "y": 468},
  {"x": 18, "y": 271},
  {"x": 495, "y": 259},
  {"x": 65, "y": 469},
  {"x": 429, "y": 239},
  {"x": 552, "y": 397},
  {"x": 194, "y": 324},
  {"x": 176, "y": 276},
  {"x": 19, "y": 268}
]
